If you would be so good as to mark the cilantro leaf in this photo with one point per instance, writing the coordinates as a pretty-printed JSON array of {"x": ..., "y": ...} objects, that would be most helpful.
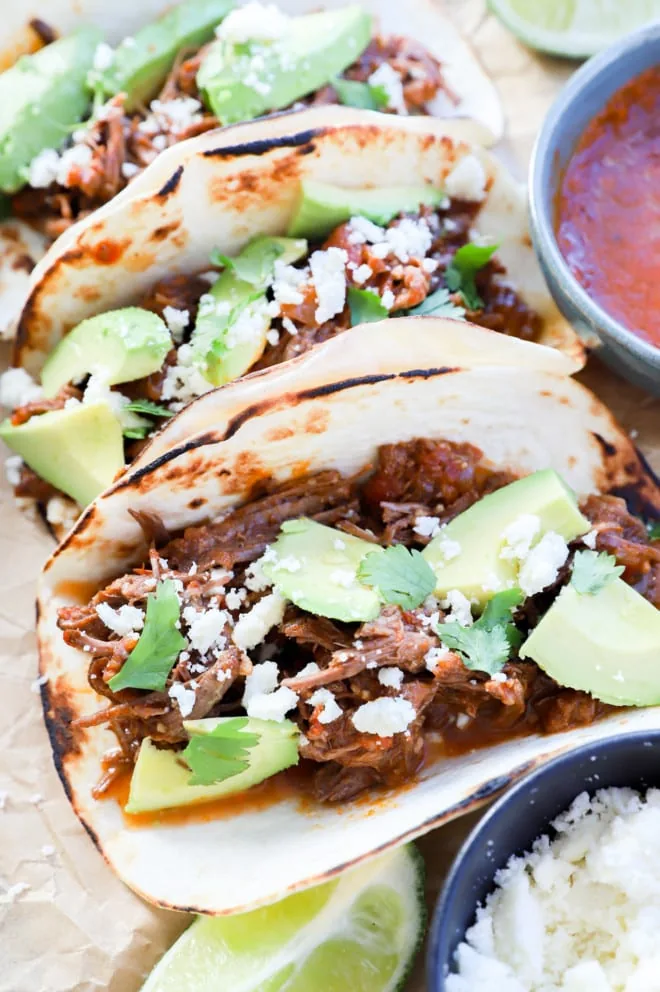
[
  {"x": 146, "y": 406},
  {"x": 486, "y": 646},
  {"x": 459, "y": 274},
  {"x": 481, "y": 650},
  {"x": 255, "y": 263},
  {"x": 151, "y": 660},
  {"x": 365, "y": 306},
  {"x": 220, "y": 754},
  {"x": 653, "y": 528},
  {"x": 437, "y": 304},
  {"x": 401, "y": 576},
  {"x": 593, "y": 570},
  {"x": 137, "y": 433},
  {"x": 364, "y": 95}
]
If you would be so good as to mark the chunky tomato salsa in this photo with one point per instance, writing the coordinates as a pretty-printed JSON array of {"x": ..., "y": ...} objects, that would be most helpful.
[{"x": 608, "y": 209}]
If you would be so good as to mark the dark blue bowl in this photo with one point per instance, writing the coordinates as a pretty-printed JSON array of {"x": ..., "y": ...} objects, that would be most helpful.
[
  {"x": 518, "y": 818},
  {"x": 585, "y": 94}
]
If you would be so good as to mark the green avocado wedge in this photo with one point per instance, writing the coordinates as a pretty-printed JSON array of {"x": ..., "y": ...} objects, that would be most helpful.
[
  {"x": 119, "y": 345},
  {"x": 161, "y": 778},
  {"x": 606, "y": 644},
  {"x": 79, "y": 450},
  {"x": 322, "y": 206},
  {"x": 141, "y": 63},
  {"x": 42, "y": 97},
  {"x": 239, "y": 82}
]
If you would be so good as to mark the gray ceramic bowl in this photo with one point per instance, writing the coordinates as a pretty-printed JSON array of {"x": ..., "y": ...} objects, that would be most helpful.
[
  {"x": 518, "y": 818},
  {"x": 583, "y": 96}
]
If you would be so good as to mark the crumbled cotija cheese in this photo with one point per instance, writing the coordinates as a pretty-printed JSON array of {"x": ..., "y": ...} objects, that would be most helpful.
[
  {"x": 427, "y": 526},
  {"x": 459, "y": 608},
  {"x": 184, "y": 697},
  {"x": 328, "y": 272},
  {"x": 18, "y": 388},
  {"x": 330, "y": 710},
  {"x": 541, "y": 566},
  {"x": 252, "y": 627},
  {"x": 390, "y": 81},
  {"x": 205, "y": 629},
  {"x": 391, "y": 677},
  {"x": 125, "y": 620},
  {"x": 384, "y": 717},
  {"x": 579, "y": 913}
]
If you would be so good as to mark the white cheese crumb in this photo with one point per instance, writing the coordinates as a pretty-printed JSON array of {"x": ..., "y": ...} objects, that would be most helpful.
[
  {"x": 103, "y": 56},
  {"x": 459, "y": 607},
  {"x": 362, "y": 273},
  {"x": 542, "y": 564},
  {"x": 184, "y": 697},
  {"x": 330, "y": 710},
  {"x": 390, "y": 81},
  {"x": 252, "y": 627},
  {"x": 235, "y": 598},
  {"x": 43, "y": 169},
  {"x": 427, "y": 526},
  {"x": 338, "y": 544},
  {"x": 177, "y": 321},
  {"x": 589, "y": 540},
  {"x": 343, "y": 577},
  {"x": 499, "y": 677},
  {"x": 409, "y": 239},
  {"x": 205, "y": 629},
  {"x": 287, "y": 281},
  {"x": 288, "y": 564},
  {"x": 434, "y": 656},
  {"x": 262, "y": 679},
  {"x": 311, "y": 668},
  {"x": 13, "y": 466},
  {"x": 467, "y": 180},
  {"x": 462, "y": 720},
  {"x": 184, "y": 381},
  {"x": 171, "y": 115},
  {"x": 391, "y": 677},
  {"x": 17, "y": 388},
  {"x": 129, "y": 169},
  {"x": 289, "y": 326},
  {"x": 385, "y": 716},
  {"x": 329, "y": 274},
  {"x": 62, "y": 512},
  {"x": 519, "y": 536},
  {"x": 255, "y": 579},
  {"x": 387, "y": 299},
  {"x": 36, "y": 685},
  {"x": 272, "y": 706},
  {"x": 362, "y": 231},
  {"x": 272, "y": 336},
  {"x": 122, "y": 621},
  {"x": 253, "y": 22}
]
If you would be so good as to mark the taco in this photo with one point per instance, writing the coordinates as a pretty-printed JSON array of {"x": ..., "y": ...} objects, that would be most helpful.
[
  {"x": 342, "y": 594},
  {"x": 237, "y": 251},
  {"x": 109, "y": 89}
]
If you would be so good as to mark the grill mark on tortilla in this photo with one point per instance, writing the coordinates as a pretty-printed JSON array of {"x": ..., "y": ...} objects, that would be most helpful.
[
  {"x": 606, "y": 446},
  {"x": 171, "y": 183},
  {"x": 265, "y": 145},
  {"x": 428, "y": 373}
]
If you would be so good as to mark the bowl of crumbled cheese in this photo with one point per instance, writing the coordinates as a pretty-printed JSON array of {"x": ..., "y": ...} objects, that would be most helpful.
[{"x": 558, "y": 887}]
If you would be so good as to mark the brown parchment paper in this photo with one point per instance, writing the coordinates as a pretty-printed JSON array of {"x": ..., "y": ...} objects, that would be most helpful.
[{"x": 66, "y": 923}]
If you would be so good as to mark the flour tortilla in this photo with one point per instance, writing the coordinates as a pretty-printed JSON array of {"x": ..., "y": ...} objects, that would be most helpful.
[
  {"x": 514, "y": 401},
  {"x": 423, "y": 21},
  {"x": 223, "y": 188}
]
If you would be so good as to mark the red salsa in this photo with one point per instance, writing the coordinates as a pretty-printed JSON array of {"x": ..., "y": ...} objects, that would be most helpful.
[{"x": 608, "y": 209}]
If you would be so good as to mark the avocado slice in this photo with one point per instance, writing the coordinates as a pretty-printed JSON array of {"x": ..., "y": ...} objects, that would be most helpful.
[
  {"x": 240, "y": 82},
  {"x": 79, "y": 450},
  {"x": 606, "y": 644},
  {"x": 41, "y": 97},
  {"x": 315, "y": 567},
  {"x": 161, "y": 779},
  {"x": 232, "y": 321},
  {"x": 478, "y": 532},
  {"x": 141, "y": 63},
  {"x": 322, "y": 206},
  {"x": 121, "y": 345}
]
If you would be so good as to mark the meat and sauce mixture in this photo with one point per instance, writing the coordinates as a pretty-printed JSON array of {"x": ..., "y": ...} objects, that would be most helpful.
[
  {"x": 367, "y": 697},
  {"x": 421, "y": 262},
  {"x": 120, "y": 141}
]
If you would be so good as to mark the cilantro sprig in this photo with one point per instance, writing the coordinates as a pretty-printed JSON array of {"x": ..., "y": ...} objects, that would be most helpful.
[
  {"x": 438, "y": 304},
  {"x": 486, "y": 646},
  {"x": 460, "y": 273},
  {"x": 401, "y": 576},
  {"x": 151, "y": 660},
  {"x": 593, "y": 570},
  {"x": 366, "y": 96},
  {"x": 365, "y": 306},
  {"x": 221, "y": 753}
]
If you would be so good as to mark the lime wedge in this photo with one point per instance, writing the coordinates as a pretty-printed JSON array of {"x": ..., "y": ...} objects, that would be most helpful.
[
  {"x": 358, "y": 933},
  {"x": 573, "y": 28}
]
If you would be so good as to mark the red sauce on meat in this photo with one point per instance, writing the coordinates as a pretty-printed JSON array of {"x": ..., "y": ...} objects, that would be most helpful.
[{"x": 608, "y": 209}]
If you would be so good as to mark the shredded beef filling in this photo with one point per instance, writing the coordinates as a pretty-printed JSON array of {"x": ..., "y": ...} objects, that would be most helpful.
[
  {"x": 214, "y": 565},
  {"x": 124, "y": 143}
]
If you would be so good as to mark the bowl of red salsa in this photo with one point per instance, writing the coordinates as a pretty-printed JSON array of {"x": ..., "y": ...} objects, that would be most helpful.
[{"x": 595, "y": 203}]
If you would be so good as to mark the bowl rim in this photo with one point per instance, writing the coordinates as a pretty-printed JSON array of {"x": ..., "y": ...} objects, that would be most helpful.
[
  {"x": 434, "y": 967},
  {"x": 542, "y": 226}
]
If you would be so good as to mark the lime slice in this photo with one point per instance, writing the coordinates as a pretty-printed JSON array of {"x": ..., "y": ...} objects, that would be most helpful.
[
  {"x": 573, "y": 28},
  {"x": 358, "y": 933}
]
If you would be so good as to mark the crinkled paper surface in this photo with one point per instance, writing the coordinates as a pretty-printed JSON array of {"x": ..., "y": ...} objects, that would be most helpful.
[{"x": 65, "y": 922}]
